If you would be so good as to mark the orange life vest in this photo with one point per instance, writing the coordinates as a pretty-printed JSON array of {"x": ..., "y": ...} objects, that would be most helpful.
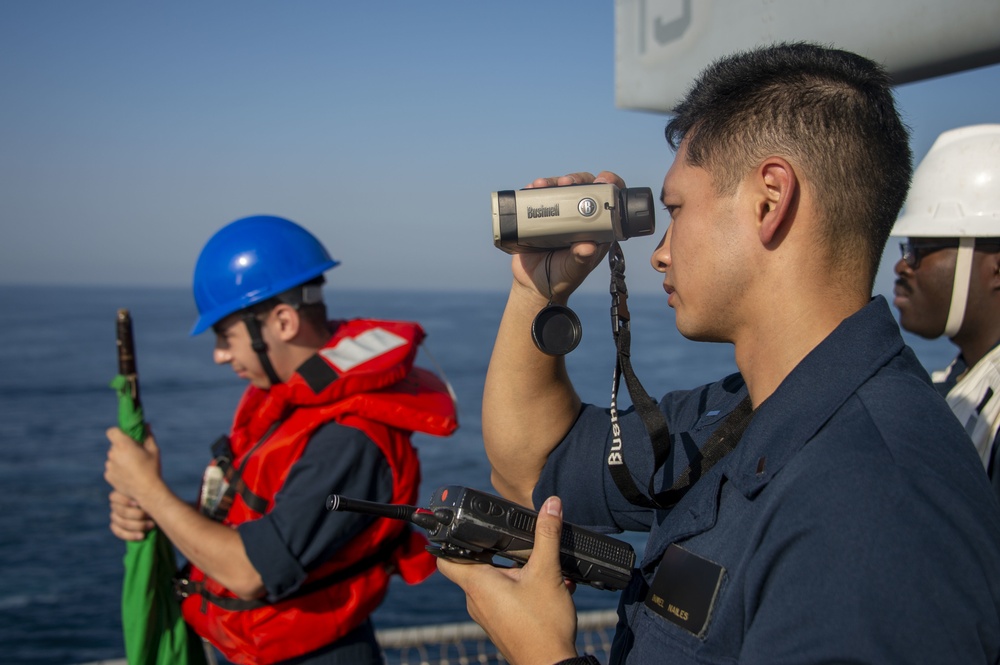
[{"x": 363, "y": 378}]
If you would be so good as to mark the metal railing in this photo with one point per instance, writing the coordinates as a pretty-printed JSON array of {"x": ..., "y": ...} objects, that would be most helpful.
[{"x": 466, "y": 643}]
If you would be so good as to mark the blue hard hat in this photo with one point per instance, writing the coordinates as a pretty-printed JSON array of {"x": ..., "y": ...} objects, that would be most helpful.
[{"x": 251, "y": 260}]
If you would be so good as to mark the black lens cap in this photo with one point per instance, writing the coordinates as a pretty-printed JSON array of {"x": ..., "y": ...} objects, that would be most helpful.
[{"x": 556, "y": 330}]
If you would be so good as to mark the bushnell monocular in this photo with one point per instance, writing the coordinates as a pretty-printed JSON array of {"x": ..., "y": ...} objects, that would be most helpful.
[{"x": 544, "y": 219}]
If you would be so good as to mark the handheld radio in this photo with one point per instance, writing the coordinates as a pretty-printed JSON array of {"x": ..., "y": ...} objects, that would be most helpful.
[{"x": 469, "y": 525}]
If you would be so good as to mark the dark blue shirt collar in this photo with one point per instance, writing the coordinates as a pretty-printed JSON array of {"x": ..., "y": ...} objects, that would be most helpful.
[{"x": 858, "y": 348}]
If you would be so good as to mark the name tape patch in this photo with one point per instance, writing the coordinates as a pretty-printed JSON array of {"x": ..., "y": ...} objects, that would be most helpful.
[{"x": 684, "y": 589}]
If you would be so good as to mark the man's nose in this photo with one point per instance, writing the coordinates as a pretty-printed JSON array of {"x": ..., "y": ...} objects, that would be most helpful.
[
  {"x": 221, "y": 356},
  {"x": 661, "y": 255}
]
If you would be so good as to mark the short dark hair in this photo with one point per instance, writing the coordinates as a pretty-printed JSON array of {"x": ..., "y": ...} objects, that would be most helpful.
[{"x": 830, "y": 112}]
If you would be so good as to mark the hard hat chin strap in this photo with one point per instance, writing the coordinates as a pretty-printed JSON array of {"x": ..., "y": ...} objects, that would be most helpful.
[
  {"x": 257, "y": 342},
  {"x": 960, "y": 287}
]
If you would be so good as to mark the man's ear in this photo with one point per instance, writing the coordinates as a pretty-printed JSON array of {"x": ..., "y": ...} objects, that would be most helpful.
[
  {"x": 994, "y": 266},
  {"x": 288, "y": 321},
  {"x": 776, "y": 190}
]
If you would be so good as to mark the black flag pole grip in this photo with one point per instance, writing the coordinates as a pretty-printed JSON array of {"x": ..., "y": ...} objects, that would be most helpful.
[{"x": 126, "y": 353}]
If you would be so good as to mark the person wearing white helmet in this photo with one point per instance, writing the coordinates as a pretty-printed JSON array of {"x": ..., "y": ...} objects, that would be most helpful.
[
  {"x": 948, "y": 279},
  {"x": 272, "y": 576}
]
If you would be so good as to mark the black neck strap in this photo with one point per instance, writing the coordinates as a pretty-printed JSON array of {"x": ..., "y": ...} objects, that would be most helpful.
[
  {"x": 722, "y": 442},
  {"x": 257, "y": 341}
]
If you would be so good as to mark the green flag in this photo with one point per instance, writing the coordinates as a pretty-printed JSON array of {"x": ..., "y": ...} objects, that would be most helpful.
[{"x": 154, "y": 630}]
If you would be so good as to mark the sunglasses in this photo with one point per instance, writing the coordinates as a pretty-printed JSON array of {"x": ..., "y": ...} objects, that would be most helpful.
[{"x": 914, "y": 252}]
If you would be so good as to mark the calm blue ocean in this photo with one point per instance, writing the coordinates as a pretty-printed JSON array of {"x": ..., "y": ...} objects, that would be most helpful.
[{"x": 61, "y": 568}]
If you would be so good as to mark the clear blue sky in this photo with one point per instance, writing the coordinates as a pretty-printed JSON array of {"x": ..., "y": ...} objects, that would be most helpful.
[{"x": 132, "y": 131}]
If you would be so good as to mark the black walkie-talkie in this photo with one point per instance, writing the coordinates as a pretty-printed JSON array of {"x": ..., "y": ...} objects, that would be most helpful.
[{"x": 467, "y": 524}]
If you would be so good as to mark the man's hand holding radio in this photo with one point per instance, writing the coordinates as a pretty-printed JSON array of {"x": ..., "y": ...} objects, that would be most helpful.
[{"x": 499, "y": 599}]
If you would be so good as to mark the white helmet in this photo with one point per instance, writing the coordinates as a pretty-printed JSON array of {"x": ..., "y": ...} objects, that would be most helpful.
[
  {"x": 956, "y": 188},
  {"x": 956, "y": 194}
]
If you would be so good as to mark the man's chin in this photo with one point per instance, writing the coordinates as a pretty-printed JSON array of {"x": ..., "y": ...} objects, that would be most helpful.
[
  {"x": 696, "y": 334},
  {"x": 263, "y": 384},
  {"x": 916, "y": 329}
]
